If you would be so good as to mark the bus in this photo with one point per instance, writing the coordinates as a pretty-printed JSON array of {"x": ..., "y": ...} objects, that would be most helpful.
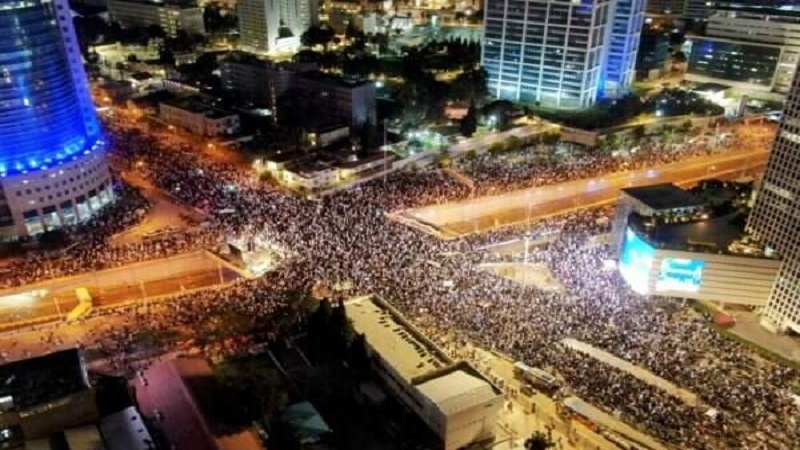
[
  {"x": 83, "y": 295},
  {"x": 537, "y": 378}
]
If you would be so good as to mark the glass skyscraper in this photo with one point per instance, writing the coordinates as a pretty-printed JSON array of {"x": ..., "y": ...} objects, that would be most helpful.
[
  {"x": 52, "y": 167},
  {"x": 775, "y": 219},
  {"x": 561, "y": 53}
]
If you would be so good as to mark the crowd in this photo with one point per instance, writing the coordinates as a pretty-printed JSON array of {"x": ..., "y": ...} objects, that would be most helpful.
[
  {"x": 345, "y": 237},
  {"x": 528, "y": 167}
]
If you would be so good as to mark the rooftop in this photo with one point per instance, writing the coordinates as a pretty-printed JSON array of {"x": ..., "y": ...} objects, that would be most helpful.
[
  {"x": 664, "y": 196},
  {"x": 398, "y": 343},
  {"x": 712, "y": 87},
  {"x": 712, "y": 234},
  {"x": 457, "y": 391},
  {"x": 42, "y": 379},
  {"x": 333, "y": 79},
  {"x": 198, "y": 106},
  {"x": 125, "y": 429}
]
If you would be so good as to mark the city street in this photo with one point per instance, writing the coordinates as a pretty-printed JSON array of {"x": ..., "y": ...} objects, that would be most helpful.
[
  {"x": 49, "y": 300},
  {"x": 478, "y": 215}
]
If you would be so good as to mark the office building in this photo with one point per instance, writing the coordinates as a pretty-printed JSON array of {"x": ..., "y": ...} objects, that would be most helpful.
[
  {"x": 775, "y": 219},
  {"x": 653, "y": 56},
  {"x": 748, "y": 66},
  {"x": 699, "y": 10},
  {"x": 351, "y": 102},
  {"x": 779, "y": 27},
  {"x": 44, "y": 395},
  {"x": 454, "y": 400},
  {"x": 670, "y": 8},
  {"x": 53, "y": 170},
  {"x": 753, "y": 49},
  {"x": 620, "y": 66},
  {"x": 557, "y": 52},
  {"x": 274, "y": 25},
  {"x": 198, "y": 117},
  {"x": 256, "y": 81},
  {"x": 171, "y": 16},
  {"x": 671, "y": 242}
]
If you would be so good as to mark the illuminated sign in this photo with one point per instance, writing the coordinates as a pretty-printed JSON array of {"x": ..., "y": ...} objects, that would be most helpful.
[
  {"x": 637, "y": 258},
  {"x": 678, "y": 274}
]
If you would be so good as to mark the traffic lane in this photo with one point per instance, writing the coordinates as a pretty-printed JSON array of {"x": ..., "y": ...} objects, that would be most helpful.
[
  {"x": 470, "y": 218},
  {"x": 675, "y": 172}
]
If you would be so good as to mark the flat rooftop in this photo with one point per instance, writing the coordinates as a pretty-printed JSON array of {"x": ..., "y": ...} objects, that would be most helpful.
[
  {"x": 664, "y": 196},
  {"x": 457, "y": 391},
  {"x": 401, "y": 345},
  {"x": 42, "y": 379},
  {"x": 710, "y": 235}
]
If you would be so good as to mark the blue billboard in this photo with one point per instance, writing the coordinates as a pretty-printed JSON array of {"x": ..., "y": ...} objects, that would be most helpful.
[
  {"x": 679, "y": 274},
  {"x": 637, "y": 258}
]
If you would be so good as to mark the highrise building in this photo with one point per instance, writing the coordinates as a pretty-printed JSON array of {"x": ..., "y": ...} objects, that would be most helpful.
[
  {"x": 53, "y": 170},
  {"x": 560, "y": 53},
  {"x": 775, "y": 219},
  {"x": 172, "y": 16},
  {"x": 274, "y": 25},
  {"x": 626, "y": 30}
]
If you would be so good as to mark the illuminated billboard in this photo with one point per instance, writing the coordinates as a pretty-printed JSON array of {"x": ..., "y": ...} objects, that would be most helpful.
[
  {"x": 637, "y": 258},
  {"x": 679, "y": 274}
]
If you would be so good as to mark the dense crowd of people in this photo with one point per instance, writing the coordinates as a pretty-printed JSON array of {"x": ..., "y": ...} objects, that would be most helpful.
[
  {"x": 530, "y": 167},
  {"x": 345, "y": 239}
]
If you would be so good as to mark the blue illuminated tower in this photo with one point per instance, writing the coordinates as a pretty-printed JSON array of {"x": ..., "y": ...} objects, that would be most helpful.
[
  {"x": 560, "y": 53},
  {"x": 623, "y": 45},
  {"x": 53, "y": 170}
]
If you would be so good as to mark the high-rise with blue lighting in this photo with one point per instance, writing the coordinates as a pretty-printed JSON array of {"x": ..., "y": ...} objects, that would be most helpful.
[
  {"x": 561, "y": 53},
  {"x": 626, "y": 30},
  {"x": 53, "y": 171}
]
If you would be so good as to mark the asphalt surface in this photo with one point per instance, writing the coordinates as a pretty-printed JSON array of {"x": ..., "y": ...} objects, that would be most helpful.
[{"x": 485, "y": 213}]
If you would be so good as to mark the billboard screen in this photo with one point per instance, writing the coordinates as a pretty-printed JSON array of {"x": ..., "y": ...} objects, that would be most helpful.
[
  {"x": 637, "y": 258},
  {"x": 679, "y": 274}
]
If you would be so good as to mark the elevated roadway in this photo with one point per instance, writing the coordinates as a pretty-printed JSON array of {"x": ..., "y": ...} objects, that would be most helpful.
[{"x": 477, "y": 215}]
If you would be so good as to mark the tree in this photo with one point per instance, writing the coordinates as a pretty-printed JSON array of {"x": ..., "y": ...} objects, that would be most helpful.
[
  {"x": 470, "y": 156},
  {"x": 638, "y": 133},
  {"x": 469, "y": 123},
  {"x": 513, "y": 144},
  {"x": 317, "y": 35},
  {"x": 470, "y": 86},
  {"x": 551, "y": 137},
  {"x": 539, "y": 441}
]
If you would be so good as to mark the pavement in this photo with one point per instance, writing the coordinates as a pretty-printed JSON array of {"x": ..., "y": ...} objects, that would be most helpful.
[
  {"x": 49, "y": 300},
  {"x": 522, "y": 415},
  {"x": 481, "y": 214},
  {"x": 537, "y": 275},
  {"x": 166, "y": 213},
  {"x": 642, "y": 374},
  {"x": 747, "y": 327}
]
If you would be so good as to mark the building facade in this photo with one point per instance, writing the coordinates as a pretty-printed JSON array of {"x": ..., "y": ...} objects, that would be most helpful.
[
  {"x": 170, "y": 16},
  {"x": 53, "y": 170},
  {"x": 671, "y": 8},
  {"x": 775, "y": 219},
  {"x": 198, "y": 118},
  {"x": 274, "y": 25},
  {"x": 626, "y": 29},
  {"x": 740, "y": 64},
  {"x": 351, "y": 102},
  {"x": 257, "y": 81},
  {"x": 557, "y": 52},
  {"x": 454, "y": 400}
]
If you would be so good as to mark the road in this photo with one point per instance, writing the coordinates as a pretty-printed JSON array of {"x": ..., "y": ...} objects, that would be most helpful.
[
  {"x": 47, "y": 300},
  {"x": 485, "y": 213}
]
